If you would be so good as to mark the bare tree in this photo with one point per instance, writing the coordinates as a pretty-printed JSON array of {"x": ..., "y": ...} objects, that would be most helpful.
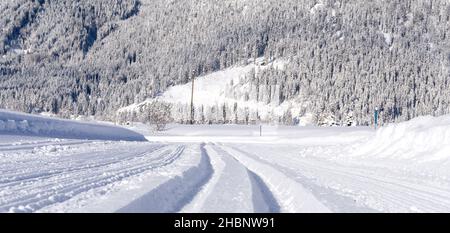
[{"x": 158, "y": 114}]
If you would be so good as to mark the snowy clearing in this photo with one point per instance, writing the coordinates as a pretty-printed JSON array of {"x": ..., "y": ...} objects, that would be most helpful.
[
  {"x": 229, "y": 168},
  {"x": 228, "y": 96}
]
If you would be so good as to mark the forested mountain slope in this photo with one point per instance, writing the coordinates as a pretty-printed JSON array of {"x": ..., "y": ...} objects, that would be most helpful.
[{"x": 344, "y": 57}]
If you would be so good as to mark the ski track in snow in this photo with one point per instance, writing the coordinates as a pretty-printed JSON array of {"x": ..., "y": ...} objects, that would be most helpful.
[{"x": 32, "y": 185}]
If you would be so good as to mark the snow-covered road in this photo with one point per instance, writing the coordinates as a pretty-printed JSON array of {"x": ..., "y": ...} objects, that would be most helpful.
[
  {"x": 78, "y": 175},
  {"x": 207, "y": 169}
]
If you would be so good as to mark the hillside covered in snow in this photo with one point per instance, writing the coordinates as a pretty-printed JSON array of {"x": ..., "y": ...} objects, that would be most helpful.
[
  {"x": 345, "y": 58},
  {"x": 233, "y": 95}
]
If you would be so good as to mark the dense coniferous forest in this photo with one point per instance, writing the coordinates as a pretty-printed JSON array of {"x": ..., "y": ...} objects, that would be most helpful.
[{"x": 344, "y": 57}]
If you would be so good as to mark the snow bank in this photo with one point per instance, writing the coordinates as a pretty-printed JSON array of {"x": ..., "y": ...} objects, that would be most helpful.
[
  {"x": 27, "y": 124},
  {"x": 422, "y": 139}
]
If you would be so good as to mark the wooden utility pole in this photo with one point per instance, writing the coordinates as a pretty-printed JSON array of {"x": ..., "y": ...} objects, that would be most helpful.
[{"x": 192, "y": 100}]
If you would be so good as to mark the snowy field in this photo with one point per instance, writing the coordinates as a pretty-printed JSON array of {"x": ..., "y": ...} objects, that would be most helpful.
[{"x": 400, "y": 168}]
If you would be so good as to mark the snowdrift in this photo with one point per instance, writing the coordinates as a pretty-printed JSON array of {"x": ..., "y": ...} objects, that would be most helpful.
[
  {"x": 422, "y": 139},
  {"x": 27, "y": 124}
]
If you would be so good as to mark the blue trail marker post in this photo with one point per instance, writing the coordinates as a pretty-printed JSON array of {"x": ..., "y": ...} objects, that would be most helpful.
[{"x": 376, "y": 118}]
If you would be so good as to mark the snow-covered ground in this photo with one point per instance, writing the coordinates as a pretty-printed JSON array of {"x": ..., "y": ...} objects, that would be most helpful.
[
  {"x": 229, "y": 168},
  {"x": 217, "y": 88}
]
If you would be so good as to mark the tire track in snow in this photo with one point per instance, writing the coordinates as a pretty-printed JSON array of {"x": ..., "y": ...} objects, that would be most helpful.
[
  {"x": 217, "y": 166},
  {"x": 292, "y": 196},
  {"x": 259, "y": 187},
  {"x": 331, "y": 199},
  {"x": 62, "y": 187},
  {"x": 381, "y": 192},
  {"x": 232, "y": 188},
  {"x": 174, "y": 194}
]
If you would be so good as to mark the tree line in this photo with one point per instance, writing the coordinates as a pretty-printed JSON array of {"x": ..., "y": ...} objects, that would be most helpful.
[{"x": 344, "y": 57}]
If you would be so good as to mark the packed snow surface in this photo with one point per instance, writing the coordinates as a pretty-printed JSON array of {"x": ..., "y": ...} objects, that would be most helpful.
[{"x": 402, "y": 167}]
